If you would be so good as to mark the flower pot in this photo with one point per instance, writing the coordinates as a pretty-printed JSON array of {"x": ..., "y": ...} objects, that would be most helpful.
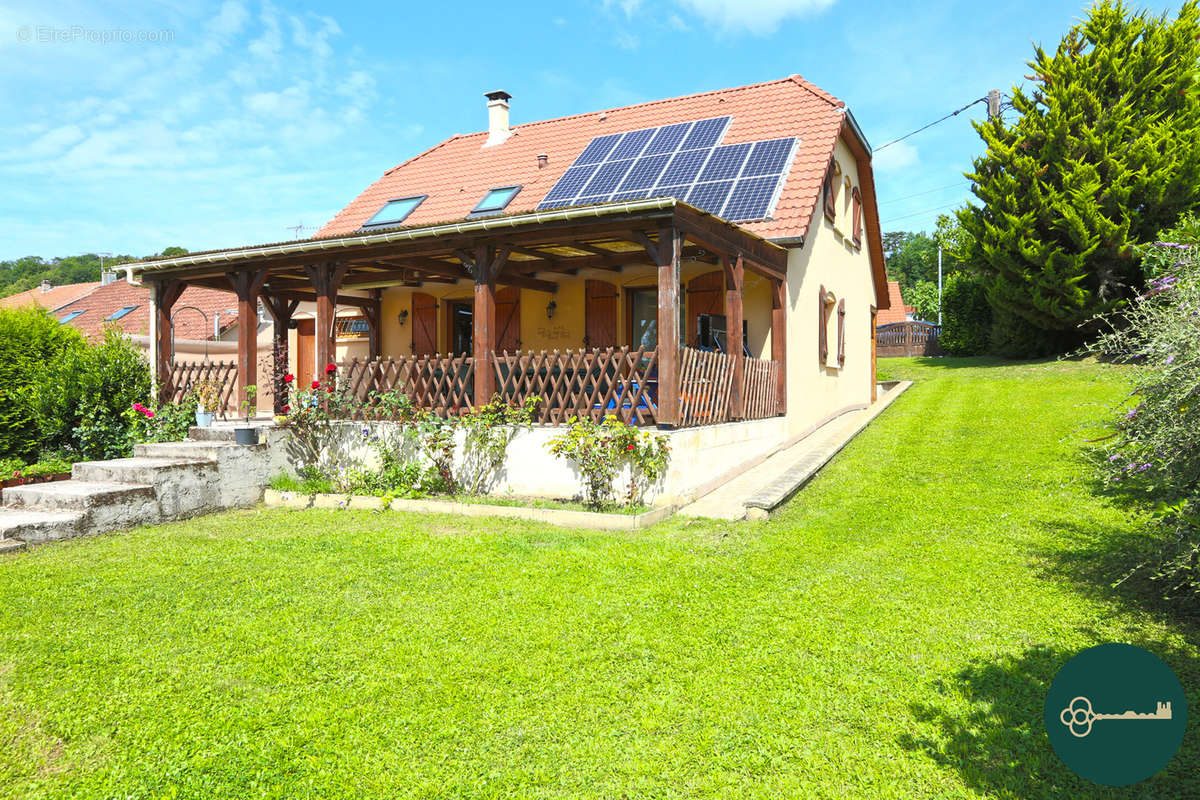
[
  {"x": 245, "y": 435},
  {"x": 203, "y": 418}
]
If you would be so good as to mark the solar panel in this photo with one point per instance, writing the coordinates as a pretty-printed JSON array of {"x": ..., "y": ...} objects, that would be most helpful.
[{"x": 684, "y": 160}]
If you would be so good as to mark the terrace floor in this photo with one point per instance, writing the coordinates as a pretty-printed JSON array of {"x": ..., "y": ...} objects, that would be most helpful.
[{"x": 893, "y": 634}]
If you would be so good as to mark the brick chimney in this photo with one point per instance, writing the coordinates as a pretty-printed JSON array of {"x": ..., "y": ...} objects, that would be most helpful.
[
  {"x": 46, "y": 286},
  {"x": 498, "y": 131}
]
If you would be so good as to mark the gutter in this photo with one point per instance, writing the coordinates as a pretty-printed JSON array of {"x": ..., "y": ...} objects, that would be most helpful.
[
  {"x": 333, "y": 244},
  {"x": 862, "y": 137}
]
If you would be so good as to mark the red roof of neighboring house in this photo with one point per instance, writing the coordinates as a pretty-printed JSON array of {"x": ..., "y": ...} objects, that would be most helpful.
[
  {"x": 457, "y": 173},
  {"x": 896, "y": 311},
  {"x": 111, "y": 298},
  {"x": 54, "y": 298}
]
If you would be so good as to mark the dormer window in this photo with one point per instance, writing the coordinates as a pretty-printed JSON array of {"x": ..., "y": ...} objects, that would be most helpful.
[
  {"x": 394, "y": 212},
  {"x": 70, "y": 316},
  {"x": 495, "y": 201}
]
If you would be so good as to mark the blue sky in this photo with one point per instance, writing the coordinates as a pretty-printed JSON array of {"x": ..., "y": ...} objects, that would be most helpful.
[{"x": 133, "y": 126}]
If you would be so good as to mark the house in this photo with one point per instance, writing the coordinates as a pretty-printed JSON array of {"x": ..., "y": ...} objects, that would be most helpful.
[
  {"x": 686, "y": 263},
  {"x": 896, "y": 310},
  {"x": 48, "y": 296}
]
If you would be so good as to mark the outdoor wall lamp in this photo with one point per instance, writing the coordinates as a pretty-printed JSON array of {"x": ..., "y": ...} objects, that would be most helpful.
[
  {"x": 402, "y": 317},
  {"x": 551, "y": 307}
]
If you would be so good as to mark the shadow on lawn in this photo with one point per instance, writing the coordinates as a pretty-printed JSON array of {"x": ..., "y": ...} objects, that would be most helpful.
[{"x": 999, "y": 745}]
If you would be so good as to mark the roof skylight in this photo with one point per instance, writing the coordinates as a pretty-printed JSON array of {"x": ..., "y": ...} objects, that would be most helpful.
[
  {"x": 70, "y": 315},
  {"x": 495, "y": 201},
  {"x": 394, "y": 212},
  {"x": 120, "y": 313}
]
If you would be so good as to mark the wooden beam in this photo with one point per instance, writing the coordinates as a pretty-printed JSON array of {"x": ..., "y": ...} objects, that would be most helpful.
[
  {"x": 326, "y": 278},
  {"x": 779, "y": 339},
  {"x": 281, "y": 310},
  {"x": 668, "y": 255},
  {"x": 483, "y": 263},
  {"x": 247, "y": 285},
  {"x": 166, "y": 294},
  {"x": 735, "y": 272},
  {"x": 373, "y": 315}
]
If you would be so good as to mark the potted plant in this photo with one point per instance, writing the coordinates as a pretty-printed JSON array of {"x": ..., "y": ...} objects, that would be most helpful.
[
  {"x": 248, "y": 434},
  {"x": 207, "y": 393}
]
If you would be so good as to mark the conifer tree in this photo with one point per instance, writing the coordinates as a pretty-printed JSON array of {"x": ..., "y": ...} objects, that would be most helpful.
[{"x": 1105, "y": 152}]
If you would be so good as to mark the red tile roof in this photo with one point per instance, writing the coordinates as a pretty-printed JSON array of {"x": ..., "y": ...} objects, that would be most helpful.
[
  {"x": 56, "y": 297},
  {"x": 107, "y": 300},
  {"x": 458, "y": 172},
  {"x": 896, "y": 312}
]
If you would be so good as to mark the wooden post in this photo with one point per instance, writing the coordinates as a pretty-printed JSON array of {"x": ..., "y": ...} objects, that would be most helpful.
[
  {"x": 281, "y": 311},
  {"x": 166, "y": 293},
  {"x": 669, "y": 247},
  {"x": 484, "y": 264},
  {"x": 373, "y": 313},
  {"x": 779, "y": 338},
  {"x": 735, "y": 273},
  {"x": 247, "y": 285},
  {"x": 326, "y": 278}
]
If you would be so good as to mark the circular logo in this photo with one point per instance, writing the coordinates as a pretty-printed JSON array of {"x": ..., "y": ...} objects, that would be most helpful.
[{"x": 1115, "y": 714}]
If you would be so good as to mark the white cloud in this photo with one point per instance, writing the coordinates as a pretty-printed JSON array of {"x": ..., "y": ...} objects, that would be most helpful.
[
  {"x": 761, "y": 17},
  {"x": 895, "y": 157},
  {"x": 230, "y": 20}
]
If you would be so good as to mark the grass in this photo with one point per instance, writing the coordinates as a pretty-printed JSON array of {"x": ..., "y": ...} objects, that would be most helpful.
[{"x": 891, "y": 634}]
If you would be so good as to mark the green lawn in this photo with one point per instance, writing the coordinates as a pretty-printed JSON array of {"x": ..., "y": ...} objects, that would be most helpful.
[{"x": 891, "y": 634}]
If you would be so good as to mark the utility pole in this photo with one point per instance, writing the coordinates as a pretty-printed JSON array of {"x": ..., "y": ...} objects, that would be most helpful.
[
  {"x": 939, "y": 284},
  {"x": 993, "y": 103}
]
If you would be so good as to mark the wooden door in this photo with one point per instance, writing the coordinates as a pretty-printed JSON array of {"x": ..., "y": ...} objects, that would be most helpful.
[
  {"x": 424, "y": 324},
  {"x": 508, "y": 320},
  {"x": 705, "y": 295},
  {"x": 600, "y": 314},
  {"x": 306, "y": 352}
]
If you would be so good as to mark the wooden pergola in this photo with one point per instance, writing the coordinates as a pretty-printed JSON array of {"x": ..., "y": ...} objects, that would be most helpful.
[{"x": 526, "y": 250}]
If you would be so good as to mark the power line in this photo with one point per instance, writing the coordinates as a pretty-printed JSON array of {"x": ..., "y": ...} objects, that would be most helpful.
[
  {"x": 930, "y": 125},
  {"x": 927, "y": 191},
  {"x": 918, "y": 213}
]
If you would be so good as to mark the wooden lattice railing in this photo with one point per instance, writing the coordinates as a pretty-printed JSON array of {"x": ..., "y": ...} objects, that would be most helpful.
[
  {"x": 907, "y": 339},
  {"x": 705, "y": 378},
  {"x": 617, "y": 381},
  {"x": 760, "y": 395},
  {"x": 186, "y": 374},
  {"x": 442, "y": 384}
]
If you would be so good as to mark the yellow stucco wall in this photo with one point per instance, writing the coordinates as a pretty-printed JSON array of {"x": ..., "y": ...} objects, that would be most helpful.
[{"x": 830, "y": 258}]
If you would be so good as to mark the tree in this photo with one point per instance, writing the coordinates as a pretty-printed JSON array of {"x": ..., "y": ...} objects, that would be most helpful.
[
  {"x": 912, "y": 259},
  {"x": 1105, "y": 151},
  {"x": 923, "y": 297}
]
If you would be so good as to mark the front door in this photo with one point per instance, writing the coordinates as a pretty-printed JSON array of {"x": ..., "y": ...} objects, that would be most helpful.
[{"x": 306, "y": 351}]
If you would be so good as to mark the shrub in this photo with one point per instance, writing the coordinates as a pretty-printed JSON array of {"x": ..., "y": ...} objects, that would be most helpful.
[
  {"x": 113, "y": 376},
  {"x": 1153, "y": 450},
  {"x": 601, "y": 450},
  {"x": 966, "y": 315},
  {"x": 488, "y": 432}
]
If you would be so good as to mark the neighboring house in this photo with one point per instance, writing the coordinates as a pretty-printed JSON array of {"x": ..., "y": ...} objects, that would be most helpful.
[
  {"x": 703, "y": 259},
  {"x": 896, "y": 310},
  {"x": 49, "y": 297}
]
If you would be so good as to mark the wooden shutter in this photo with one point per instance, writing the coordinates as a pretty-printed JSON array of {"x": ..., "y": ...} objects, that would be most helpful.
[
  {"x": 508, "y": 320},
  {"x": 600, "y": 314},
  {"x": 857, "y": 198},
  {"x": 424, "y": 324},
  {"x": 822, "y": 329},
  {"x": 841, "y": 332},
  {"x": 705, "y": 295},
  {"x": 830, "y": 204}
]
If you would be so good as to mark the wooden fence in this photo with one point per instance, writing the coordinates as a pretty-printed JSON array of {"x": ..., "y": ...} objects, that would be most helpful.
[
  {"x": 760, "y": 388},
  {"x": 443, "y": 384},
  {"x": 186, "y": 374},
  {"x": 907, "y": 339},
  {"x": 705, "y": 378},
  {"x": 617, "y": 381}
]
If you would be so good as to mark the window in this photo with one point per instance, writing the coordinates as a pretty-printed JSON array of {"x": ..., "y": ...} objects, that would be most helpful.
[
  {"x": 393, "y": 212},
  {"x": 841, "y": 317},
  {"x": 823, "y": 326},
  {"x": 495, "y": 201},
  {"x": 70, "y": 316},
  {"x": 857, "y": 197},
  {"x": 122, "y": 312},
  {"x": 351, "y": 328},
  {"x": 830, "y": 200}
]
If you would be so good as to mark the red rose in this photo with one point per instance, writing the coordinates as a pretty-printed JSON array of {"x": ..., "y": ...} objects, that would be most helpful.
[
  {"x": 289, "y": 378},
  {"x": 628, "y": 447},
  {"x": 286, "y": 409},
  {"x": 316, "y": 385},
  {"x": 331, "y": 369},
  {"x": 330, "y": 390}
]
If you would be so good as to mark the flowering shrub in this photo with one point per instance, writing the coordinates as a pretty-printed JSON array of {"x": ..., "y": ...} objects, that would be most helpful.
[
  {"x": 169, "y": 423},
  {"x": 1153, "y": 450},
  {"x": 600, "y": 450}
]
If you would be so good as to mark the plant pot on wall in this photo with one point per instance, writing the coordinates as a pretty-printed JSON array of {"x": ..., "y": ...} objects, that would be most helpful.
[
  {"x": 245, "y": 435},
  {"x": 204, "y": 419}
]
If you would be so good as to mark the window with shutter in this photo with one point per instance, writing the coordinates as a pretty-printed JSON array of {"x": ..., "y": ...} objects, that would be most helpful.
[
  {"x": 424, "y": 324},
  {"x": 841, "y": 319},
  {"x": 508, "y": 320},
  {"x": 600, "y": 314},
  {"x": 830, "y": 200},
  {"x": 857, "y": 217}
]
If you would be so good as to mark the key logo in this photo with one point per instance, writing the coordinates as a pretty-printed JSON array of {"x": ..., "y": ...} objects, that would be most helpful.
[{"x": 1125, "y": 742}]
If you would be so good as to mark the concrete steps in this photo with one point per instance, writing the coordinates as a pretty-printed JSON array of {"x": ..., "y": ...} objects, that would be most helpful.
[{"x": 160, "y": 482}]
